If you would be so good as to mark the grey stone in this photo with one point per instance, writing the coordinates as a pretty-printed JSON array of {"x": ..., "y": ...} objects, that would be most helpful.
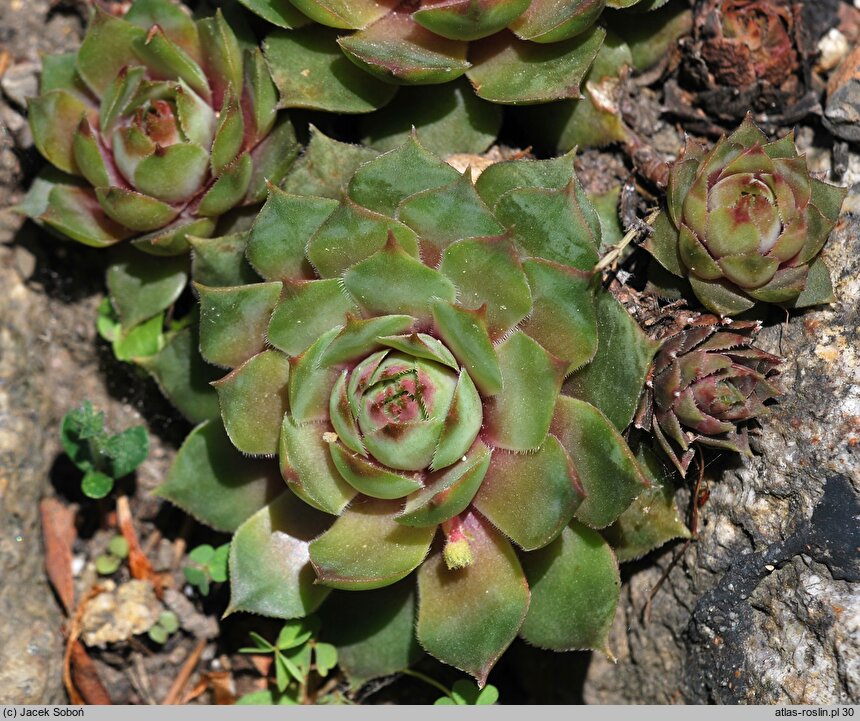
[
  {"x": 842, "y": 109},
  {"x": 31, "y": 648},
  {"x": 21, "y": 82}
]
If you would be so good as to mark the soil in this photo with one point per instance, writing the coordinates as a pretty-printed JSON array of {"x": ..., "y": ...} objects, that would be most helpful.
[{"x": 762, "y": 608}]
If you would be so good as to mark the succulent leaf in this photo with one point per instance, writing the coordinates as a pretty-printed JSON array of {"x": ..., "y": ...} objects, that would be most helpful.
[
  {"x": 448, "y": 119},
  {"x": 366, "y": 548},
  {"x": 548, "y": 22},
  {"x": 499, "y": 178},
  {"x": 253, "y": 401},
  {"x": 575, "y": 590},
  {"x": 519, "y": 415},
  {"x": 215, "y": 483},
  {"x": 607, "y": 469},
  {"x": 563, "y": 318},
  {"x": 270, "y": 570},
  {"x": 447, "y": 493},
  {"x": 467, "y": 20},
  {"x": 530, "y": 497},
  {"x": 373, "y": 631},
  {"x": 276, "y": 244},
  {"x": 396, "y": 49},
  {"x": 652, "y": 519},
  {"x": 278, "y": 12},
  {"x": 234, "y": 321},
  {"x": 221, "y": 261},
  {"x": 326, "y": 166},
  {"x": 312, "y": 73},
  {"x": 387, "y": 180},
  {"x": 308, "y": 467},
  {"x": 142, "y": 286},
  {"x": 454, "y": 606},
  {"x": 557, "y": 225},
  {"x": 508, "y": 70},
  {"x": 446, "y": 214},
  {"x": 183, "y": 376},
  {"x": 307, "y": 310},
  {"x": 613, "y": 381}
]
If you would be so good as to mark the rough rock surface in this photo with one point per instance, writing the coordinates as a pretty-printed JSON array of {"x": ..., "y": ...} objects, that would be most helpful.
[
  {"x": 765, "y": 607},
  {"x": 30, "y": 645}
]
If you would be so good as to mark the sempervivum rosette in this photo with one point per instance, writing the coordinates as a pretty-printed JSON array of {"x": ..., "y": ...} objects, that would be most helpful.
[
  {"x": 706, "y": 383},
  {"x": 746, "y": 222},
  {"x": 511, "y": 51},
  {"x": 404, "y": 356},
  {"x": 159, "y": 125}
]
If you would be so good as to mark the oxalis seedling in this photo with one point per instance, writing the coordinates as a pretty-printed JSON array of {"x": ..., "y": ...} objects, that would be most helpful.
[
  {"x": 208, "y": 565},
  {"x": 462, "y": 693},
  {"x": 117, "y": 551},
  {"x": 102, "y": 457},
  {"x": 296, "y": 656},
  {"x": 164, "y": 628}
]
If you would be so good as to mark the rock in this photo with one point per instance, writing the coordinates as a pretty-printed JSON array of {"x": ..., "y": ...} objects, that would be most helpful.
[
  {"x": 842, "y": 110},
  {"x": 764, "y": 608},
  {"x": 31, "y": 648},
  {"x": 832, "y": 48},
  {"x": 21, "y": 82},
  {"x": 118, "y": 613}
]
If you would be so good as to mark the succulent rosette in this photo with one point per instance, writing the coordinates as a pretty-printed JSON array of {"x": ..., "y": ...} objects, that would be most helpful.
[
  {"x": 706, "y": 383},
  {"x": 746, "y": 222},
  {"x": 423, "y": 355},
  {"x": 513, "y": 52},
  {"x": 158, "y": 125}
]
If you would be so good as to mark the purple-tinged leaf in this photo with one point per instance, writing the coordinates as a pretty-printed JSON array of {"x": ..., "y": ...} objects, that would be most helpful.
[
  {"x": 518, "y": 417},
  {"x": 469, "y": 616},
  {"x": 606, "y": 467},
  {"x": 270, "y": 570},
  {"x": 530, "y": 497},
  {"x": 366, "y": 548}
]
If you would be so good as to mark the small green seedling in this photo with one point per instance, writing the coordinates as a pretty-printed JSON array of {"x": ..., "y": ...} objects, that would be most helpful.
[
  {"x": 164, "y": 628},
  {"x": 462, "y": 693},
  {"x": 117, "y": 551},
  {"x": 209, "y": 565},
  {"x": 296, "y": 654},
  {"x": 466, "y": 693},
  {"x": 101, "y": 456}
]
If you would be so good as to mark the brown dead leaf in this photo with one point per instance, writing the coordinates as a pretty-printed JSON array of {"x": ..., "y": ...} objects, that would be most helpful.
[
  {"x": 85, "y": 678},
  {"x": 223, "y": 687},
  {"x": 58, "y": 533}
]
